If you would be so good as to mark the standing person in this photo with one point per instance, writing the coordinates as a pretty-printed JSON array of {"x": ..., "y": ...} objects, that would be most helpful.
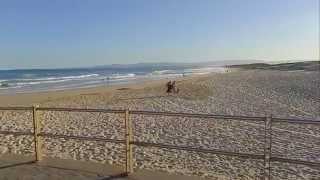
[
  {"x": 169, "y": 87},
  {"x": 174, "y": 87}
]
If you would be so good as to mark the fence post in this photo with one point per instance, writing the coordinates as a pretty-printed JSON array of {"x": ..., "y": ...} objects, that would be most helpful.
[
  {"x": 267, "y": 147},
  {"x": 128, "y": 126},
  {"x": 36, "y": 130}
]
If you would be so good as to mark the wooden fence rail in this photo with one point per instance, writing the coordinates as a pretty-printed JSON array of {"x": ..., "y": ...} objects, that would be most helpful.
[{"x": 128, "y": 140}]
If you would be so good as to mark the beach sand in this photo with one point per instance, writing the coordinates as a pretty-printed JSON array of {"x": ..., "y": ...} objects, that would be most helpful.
[
  {"x": 22, "y": 167},
  {"x": 250, "y": 93}
]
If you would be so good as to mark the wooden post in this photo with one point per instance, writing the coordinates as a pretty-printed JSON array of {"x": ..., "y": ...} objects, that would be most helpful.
[
  {"x": 130, "y": 141},
  {"x": 267, "y": 147},
  {"x": 36, "y": 130},
  {"x": 128, "y": 126}
]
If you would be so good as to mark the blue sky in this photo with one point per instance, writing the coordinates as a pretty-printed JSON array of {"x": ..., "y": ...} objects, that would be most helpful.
[{"x": 75, "y": 33}]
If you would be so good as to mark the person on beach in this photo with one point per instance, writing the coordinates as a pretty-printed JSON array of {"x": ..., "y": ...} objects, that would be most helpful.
[
  {"x": 169, "y": 87},
  {"x": 174, "y": 87}
]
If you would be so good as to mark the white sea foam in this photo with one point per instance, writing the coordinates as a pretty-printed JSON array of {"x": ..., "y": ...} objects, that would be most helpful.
[
  {"x": 63, "y": 80},
  {"x": 39, "y": 82},
  {"x": 120, "y": 76},
  {"x": 80, "y": 77},
  {"x": 17, "y": 83},
  {"x": 10, "y": 87},
  {"x": 161, "y": 72},
  {"x": 58, "y": 78},
  {"x": 205, "y": 70}
]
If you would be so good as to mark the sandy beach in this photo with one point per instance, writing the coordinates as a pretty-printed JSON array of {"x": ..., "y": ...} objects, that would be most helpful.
[{"x": 250, "y": 93}]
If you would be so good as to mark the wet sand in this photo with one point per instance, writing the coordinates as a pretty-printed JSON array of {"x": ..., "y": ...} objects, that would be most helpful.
[{"x": 29, "y": 99}]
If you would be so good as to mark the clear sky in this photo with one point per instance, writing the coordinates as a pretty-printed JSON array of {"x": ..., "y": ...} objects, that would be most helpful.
[{"x": 73, "y": 33}]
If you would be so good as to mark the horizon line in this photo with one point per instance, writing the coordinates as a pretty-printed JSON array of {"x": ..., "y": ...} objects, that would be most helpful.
[{"x": 163, "y": 62}]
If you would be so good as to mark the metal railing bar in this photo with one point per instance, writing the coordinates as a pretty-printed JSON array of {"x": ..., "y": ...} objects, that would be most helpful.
[
  {"x": 80, "y": 110},
  {"x": 295, "y": 161},
  {"x": 248, "y": 118},
  {"x": 167, "y": 146},
  {"x": 16, "y": 133},
  {"x": 16, "y": 108},
  {"x": 57, "y": 136},
  {"x": 297, "y": 121},
  {"x": 199, "y": 115},
  {"x": 209, "y": 151}
]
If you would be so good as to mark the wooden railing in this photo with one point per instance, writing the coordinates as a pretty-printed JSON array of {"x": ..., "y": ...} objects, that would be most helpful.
[{"x": 129, "y": 142}]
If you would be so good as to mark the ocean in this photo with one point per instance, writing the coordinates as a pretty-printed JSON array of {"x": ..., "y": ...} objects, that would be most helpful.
[{"x": 38, "y": 80}]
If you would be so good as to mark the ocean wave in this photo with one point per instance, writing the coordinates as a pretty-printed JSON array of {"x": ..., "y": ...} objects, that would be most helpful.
[
  {"x": 161, "y": 72},
  {"x": 165, "y": 73},
  {"x": 35, "y": 81},
  {"x": 120, "y": 76},
  {"x": 87, "y": 79},
  {"x": 193, "y": 71},
  {"x": 50, "y": 81},
  {"x": 204, "y": 70},
  {"x": 80, "y": 76},
  {"x": 10, "y": 87},
  {"x": 59, "y": 78},
  {"x": 39, "y": 82}
]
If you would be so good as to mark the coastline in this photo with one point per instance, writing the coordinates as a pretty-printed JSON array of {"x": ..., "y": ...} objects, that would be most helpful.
[
  {"x": 32, "y": 98},
  {"x": 244, "y": 93}
]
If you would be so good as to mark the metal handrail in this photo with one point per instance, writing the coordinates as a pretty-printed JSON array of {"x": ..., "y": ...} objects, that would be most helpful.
[
  {"x": 128, "y": 141},
  {"x": 296, "y": 121},
  {"x": 16, "y": 108},
  {"x": 80, "y": 110},
  {"x": 57, "y": 136},
  {"x": 173, "y": 114},
  {"x": 295, "y": 161},
  {"x": 16, "y": 133},
  {"x": 194, "y": 115},
  {"x": 209, "y": 151}
]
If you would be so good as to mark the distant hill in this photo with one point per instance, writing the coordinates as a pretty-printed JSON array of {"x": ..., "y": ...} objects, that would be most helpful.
[
  {"x": 180, "y": 65},
  {"x": 306, "y": 66}
]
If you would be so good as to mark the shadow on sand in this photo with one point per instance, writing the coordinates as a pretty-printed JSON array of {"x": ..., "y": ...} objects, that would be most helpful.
[
  {"x": 102, "y": 177},
  {"x": 113, "y": 177},
  {"x": 147, "y": 97},
  {"x": 17, "y": 164},
  {"x": 108, "y": 177}
]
